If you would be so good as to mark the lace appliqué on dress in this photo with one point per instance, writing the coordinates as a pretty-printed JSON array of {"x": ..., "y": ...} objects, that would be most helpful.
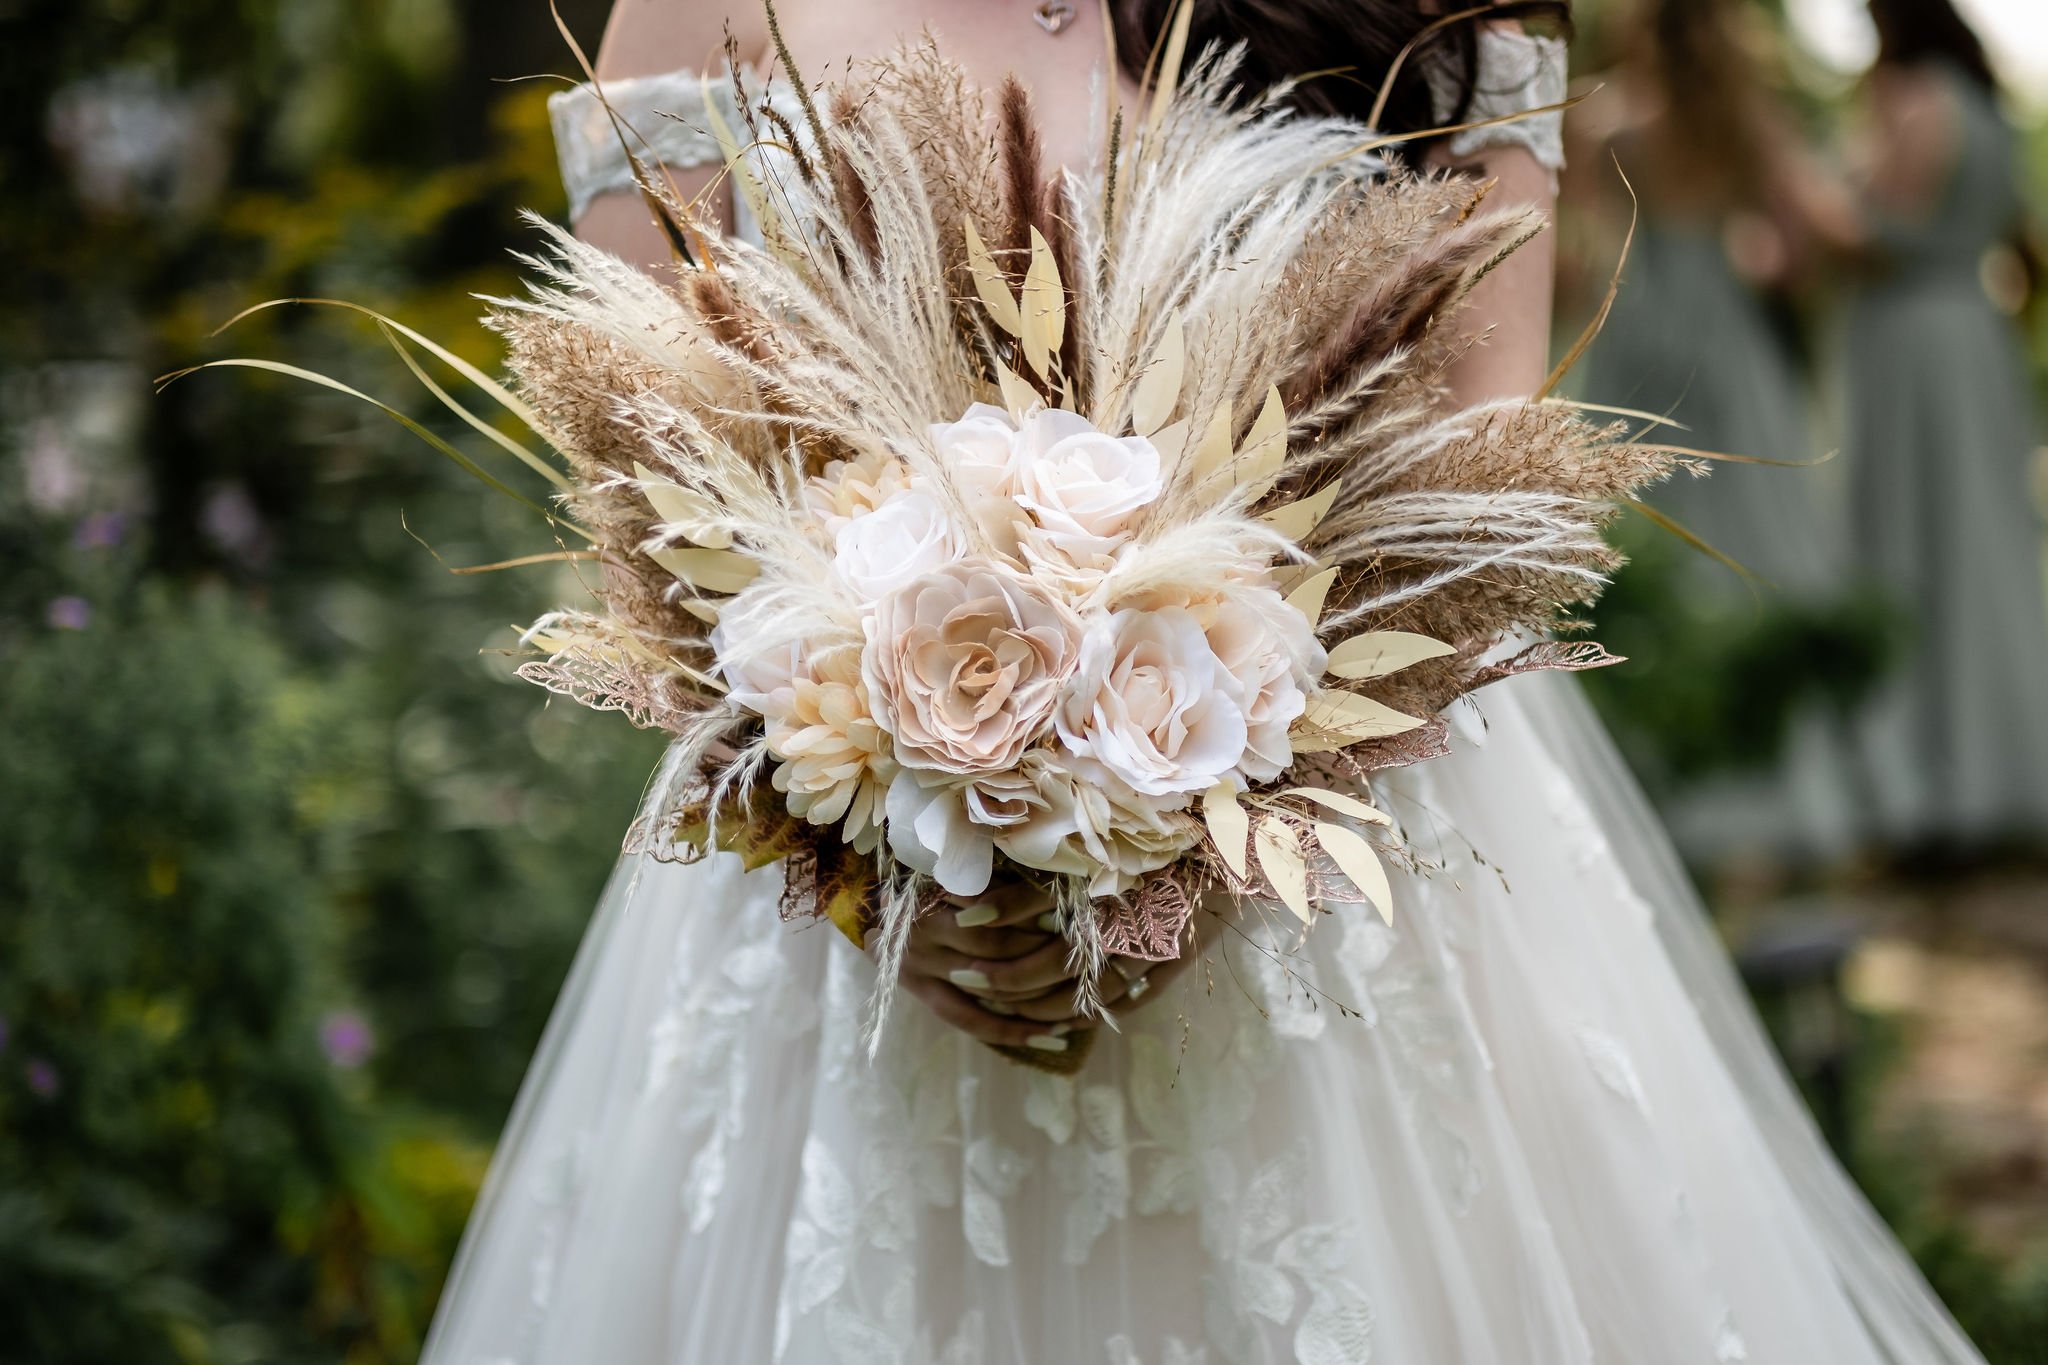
[
  {"x": 1517, "y": 72},
  {"x": 667, "y": 121}
]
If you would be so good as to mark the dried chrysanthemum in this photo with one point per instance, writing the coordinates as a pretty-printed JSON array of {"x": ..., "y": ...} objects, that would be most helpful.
[
  {"x": 853, "y": 488},
  {"x": 835, "y": 756}
]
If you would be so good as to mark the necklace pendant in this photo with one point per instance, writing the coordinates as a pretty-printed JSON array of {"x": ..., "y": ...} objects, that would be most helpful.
[{"x": 1054, "y": 15}]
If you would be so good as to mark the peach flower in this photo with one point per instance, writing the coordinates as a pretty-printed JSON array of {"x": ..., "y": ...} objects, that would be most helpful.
[{"x": 964, "y": 666}]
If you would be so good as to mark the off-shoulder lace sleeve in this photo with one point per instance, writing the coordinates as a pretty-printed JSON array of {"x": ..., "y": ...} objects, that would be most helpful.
[
  {"x": 1517, "y": 72},
  {"x": 667, "y": 122}
]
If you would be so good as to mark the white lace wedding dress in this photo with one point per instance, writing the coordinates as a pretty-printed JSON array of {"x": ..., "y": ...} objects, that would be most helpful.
[{"x": 1533, "y": 1122}]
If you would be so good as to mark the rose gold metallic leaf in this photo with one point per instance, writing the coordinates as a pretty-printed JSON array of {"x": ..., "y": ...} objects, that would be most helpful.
[
  {"x": 1159, "y": 385},
  {"x": 1571, "y": 656},
  {"x": 1280, "y": 859},
  {"x": 1380, "y": 652},
  {"x": 1228, "y": 825},
  {"x": 1357, "y": 860}
]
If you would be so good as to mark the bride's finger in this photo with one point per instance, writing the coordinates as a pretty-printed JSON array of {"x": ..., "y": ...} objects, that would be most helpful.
[
  {"x": 957, "y": 1008},
  {"x": 1005, "y": 905},
  {"x": 1015, "y": 978},
  {"x": 958, "y": 931}
]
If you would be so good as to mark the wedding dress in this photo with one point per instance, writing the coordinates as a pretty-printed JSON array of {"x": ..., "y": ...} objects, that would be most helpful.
[{"x": 1531, "y": 1122}]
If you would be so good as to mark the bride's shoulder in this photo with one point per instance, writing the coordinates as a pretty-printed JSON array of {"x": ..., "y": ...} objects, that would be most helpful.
[{"x": 652, "y": 37}]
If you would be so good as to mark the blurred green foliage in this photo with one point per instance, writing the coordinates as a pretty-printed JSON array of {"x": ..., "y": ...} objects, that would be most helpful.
[{"x": 290, "y": 865}]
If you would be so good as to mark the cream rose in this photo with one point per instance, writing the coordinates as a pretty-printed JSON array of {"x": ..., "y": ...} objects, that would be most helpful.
[
  {"x": 979, "y": 451},
  {"x": 1083, "y": 489},
  {"x": 906, "y": 536},
  {"x": 964, "y": 666},
  {"x": 1272, "y": 658},
  {"x": 1151, "y": 702}
]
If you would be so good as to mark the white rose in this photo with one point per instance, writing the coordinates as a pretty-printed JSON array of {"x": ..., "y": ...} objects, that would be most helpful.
[
  {"x": 906, "y": 536},
  {"x": 759, "y": 670},
  {"x": 979, "y": 451},
  {"x": 948, "y": 828},
  {"x": 1091, "y": 825},
  {"x": 1151, "y": 702},
  {"x": 1271, "y": 655},
  {"x": 1084, "y": 489}
]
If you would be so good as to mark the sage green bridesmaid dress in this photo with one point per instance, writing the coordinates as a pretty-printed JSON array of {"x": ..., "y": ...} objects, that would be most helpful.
[
  {"x": 1941, "y": 436},
  {"x": 1690, "y": 339}
]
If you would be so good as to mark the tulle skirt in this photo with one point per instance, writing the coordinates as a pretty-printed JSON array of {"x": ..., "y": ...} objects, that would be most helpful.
[{"x": 1532, "y": 1121}]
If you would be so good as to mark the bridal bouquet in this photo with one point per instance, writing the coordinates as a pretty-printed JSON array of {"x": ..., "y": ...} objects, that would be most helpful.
[{"x": 1106, "y": 531}]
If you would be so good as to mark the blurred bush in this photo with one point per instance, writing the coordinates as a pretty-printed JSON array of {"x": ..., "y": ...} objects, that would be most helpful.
[{"x": 290, "y": 866}]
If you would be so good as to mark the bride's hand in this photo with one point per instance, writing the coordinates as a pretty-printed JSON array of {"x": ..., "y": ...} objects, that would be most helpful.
[{"x": 980, "y": 963}]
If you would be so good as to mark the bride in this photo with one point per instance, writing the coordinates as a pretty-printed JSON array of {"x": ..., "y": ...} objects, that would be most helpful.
[{"x": 1532, "y": 1121}]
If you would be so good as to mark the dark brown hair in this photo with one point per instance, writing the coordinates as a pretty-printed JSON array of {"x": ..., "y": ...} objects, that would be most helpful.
[
  {"x": 1716, "y": 96},
  {"x": 1340, "y": 49},
  {"x": 1914, "y": 31}
]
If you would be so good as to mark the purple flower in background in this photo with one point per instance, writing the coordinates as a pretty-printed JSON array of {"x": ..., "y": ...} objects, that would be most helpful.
[
  {"x": 100, "y": 531},
  {"x": 70, "y": 613},
  {"x": 346, "y": 1038},
  {"x": 42, "y": 1077}
]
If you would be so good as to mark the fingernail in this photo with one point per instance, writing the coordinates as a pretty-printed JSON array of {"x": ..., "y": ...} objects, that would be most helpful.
[
  {"x": 968, "y": 979},
  {"x": 998, "y": 1007},
  {"x": 1062, "y": 1030},
  {"x": 1050, "y": 921},
  {"x": 1046, "y": 1042},
  {"x": 974, "y": 916}
]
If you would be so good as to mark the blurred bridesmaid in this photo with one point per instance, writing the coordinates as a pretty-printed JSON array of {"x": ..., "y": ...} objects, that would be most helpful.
[
  {"x": 1728, "y": 204},
  {"x": 1941, "y": 434}
]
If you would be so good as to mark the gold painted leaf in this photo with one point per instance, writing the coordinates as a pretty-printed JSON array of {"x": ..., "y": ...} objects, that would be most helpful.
[
  {"x": 989, "y": 284},
  {"x": 1044, "y": 321},
  {"x": 1018, "y": 396},
  {"x": 691, "y": 512},
  {"x": 1338, "y": 801},
  {"x": 1347, "y": 713},
  {"x": 711, "y": 570},
  {"x": 1212, "y": 452},
  {"x": 1308, "y": 597},
  {"x": 1296, "y": 519},
  {"x": 1170, "y": 441},
  {"x": 1264, "y": 452},
  {"x": 1380, "y": 652},
  {"x": 1360, "y": 862},
  {"x": 1159, "y": 385},
  {"x": 1228, "y": 825},
  {"x": 1280, "y": 859}
]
